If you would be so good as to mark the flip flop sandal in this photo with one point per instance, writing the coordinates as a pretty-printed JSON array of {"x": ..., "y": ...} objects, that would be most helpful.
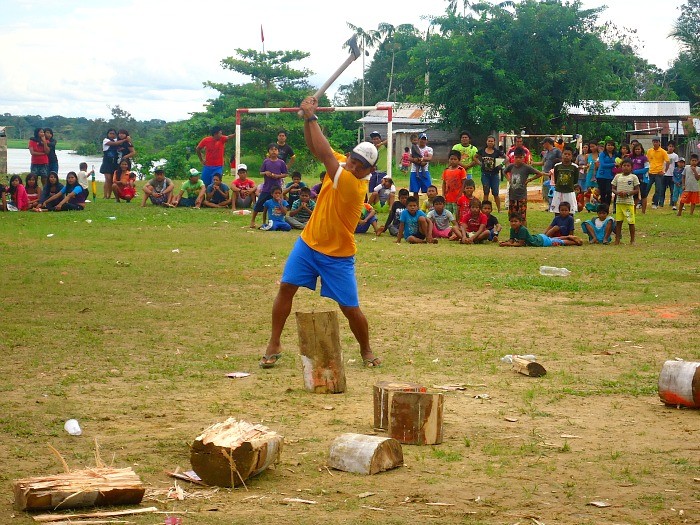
[
  {"x": 269, "y": 361},
  {"x": 372, "y": 363}
]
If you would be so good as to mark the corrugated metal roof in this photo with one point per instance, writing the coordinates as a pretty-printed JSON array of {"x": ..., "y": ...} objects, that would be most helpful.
[
  {"x": 402, "y": 114},
  {"x": 634, "y": 109}
]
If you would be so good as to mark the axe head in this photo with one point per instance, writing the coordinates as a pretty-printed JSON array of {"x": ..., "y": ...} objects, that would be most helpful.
[{"x": 354, "y": 48}]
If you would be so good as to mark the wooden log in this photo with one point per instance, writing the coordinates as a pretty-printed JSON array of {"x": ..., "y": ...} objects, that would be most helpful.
[
  {"x": 679, "y": 383},
  {"x": 364, "y": 454},
  {"x": 528, "y": 368},
  {"x": 228, "y": 453},
  {"x": 382, "y": 395},
  {"x": 79, "y": 488},
  {"x": 321, "y": 354},
  {"x": 415, "y": 418}
]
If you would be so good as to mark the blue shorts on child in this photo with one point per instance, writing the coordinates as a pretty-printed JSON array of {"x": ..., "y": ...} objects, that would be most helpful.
[{"x": 305, "y": 265}]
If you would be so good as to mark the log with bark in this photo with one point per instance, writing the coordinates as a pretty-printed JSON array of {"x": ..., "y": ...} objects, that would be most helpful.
[
  {"x": 528, "y": 368},
  {"x": 415, "y": 418},
  {"x": 321, "y": 354},
  {"x": 228, "y": 453},
  {"x": 383, "y": 390},
  {"x": 100, "y": 486},
  {"x": 364, "y": 454}
]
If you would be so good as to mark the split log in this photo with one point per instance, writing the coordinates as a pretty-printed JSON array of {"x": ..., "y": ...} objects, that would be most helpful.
[
  {"x": 321, "y": 354},
  {"x": 679, "y": 383},
  {"x": 528, "y": 368},
  {"x": 382, "y": 396},
  {"x": 415, "y": 418},
  {"x": 79, "y": 488},
  {"x": 365, "y": 454},
  {"x": 54, "y": 518},
  {"x": 228, "y": 453}
]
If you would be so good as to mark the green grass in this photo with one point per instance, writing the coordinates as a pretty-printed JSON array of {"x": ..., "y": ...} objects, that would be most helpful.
[
  {"x": 23, "y": 143},
  {"x": 105, "y": 323}
]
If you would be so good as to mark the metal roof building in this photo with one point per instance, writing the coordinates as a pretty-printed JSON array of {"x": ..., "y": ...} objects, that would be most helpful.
[{"x": 630, "y": 110}]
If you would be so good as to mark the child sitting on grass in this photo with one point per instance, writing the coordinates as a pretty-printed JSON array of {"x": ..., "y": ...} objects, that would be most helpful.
[
  {"x": 428, "y": 203},
  {"x": 316, "y": 188},
  {"x": 562, "y": 224},
  {"x": 520, "y": 236},
  {"x": 368, "y": 218},
  {"x": 414, "y": 225},
  {"x": 599, "y": 230},
  {"x": 301, "y": 210},
  {"x": 443, "y": 221},
  {"x": 276, "y": 208},
  {"x": 292, "y": 189},
  {"x": 217, "y": 195},
  {"x": 394, "y": 218},
  {"x": 473, "y": 225},
  {"x": 492, "y": 225},
  {"x": 464, "y": 202}
]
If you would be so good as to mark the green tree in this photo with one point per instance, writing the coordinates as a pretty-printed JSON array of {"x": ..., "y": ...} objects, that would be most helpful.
[{"x": 686, "y": 30}]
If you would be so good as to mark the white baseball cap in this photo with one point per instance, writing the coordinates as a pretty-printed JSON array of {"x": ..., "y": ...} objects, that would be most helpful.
[
  {"x": 365, "y": 152},
  {"x": 242, "y": 167}
]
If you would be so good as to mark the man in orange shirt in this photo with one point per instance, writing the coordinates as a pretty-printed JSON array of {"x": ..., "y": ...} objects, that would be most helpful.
[
  {"x": 213, "y": 147},
  {"x": 326, "y": 248},
  {"x": 658, "y": 164}
]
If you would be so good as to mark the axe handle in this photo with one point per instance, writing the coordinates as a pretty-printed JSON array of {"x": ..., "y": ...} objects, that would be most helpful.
[{"x": 332, "y": 78}]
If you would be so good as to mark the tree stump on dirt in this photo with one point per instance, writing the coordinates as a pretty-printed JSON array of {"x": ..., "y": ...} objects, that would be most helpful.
[
  {"x": 79, "y": 488},
  {"x": 415, "y": 418},
  {"x": 528, "y": 368},
  {"x": 679, "y": 383},
  {"x": 383, "y": 391},
  {"x": 364, "y": 454},
  {"x": 321, "y": 354},
  {"x": 228, "y": 453}
]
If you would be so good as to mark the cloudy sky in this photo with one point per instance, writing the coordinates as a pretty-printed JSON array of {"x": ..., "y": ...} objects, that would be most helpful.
[{"x": 77, "y": 58}]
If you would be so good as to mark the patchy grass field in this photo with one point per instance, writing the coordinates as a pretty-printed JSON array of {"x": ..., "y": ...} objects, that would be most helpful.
[{"x": 104, "y": 322}]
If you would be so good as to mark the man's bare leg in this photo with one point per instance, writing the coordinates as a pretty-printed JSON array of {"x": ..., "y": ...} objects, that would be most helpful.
[
  {"x": 281, "y": 309},
  {"x": 360, "y": 329}
]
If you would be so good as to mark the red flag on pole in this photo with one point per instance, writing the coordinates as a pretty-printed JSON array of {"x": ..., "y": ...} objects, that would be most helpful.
[{"x": 262, "y": 35}]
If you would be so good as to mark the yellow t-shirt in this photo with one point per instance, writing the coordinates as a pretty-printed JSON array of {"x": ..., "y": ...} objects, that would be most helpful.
[
  {"x": 331, "y": 228},
  {"x": 657, "y": 158}
]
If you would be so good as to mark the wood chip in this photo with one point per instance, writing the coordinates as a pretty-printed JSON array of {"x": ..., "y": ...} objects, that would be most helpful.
[
  {"x": 237, "y": 375},
  {"x": 299, "y": 500},
  {"x": 372, "y": 508},
  {"x": 366, "y": 495},
  {"x": 440, "y": 504},
  {"x": 696, "y": 479},
  {"x": 511, "y": 419},
  {"x": 328, "y": 407},
  {"x": 186, "y": 476},
  {"x": 49, "y": 518},
  {"x": 599, "y": 504},
  {"x": 570, "y": 436}
]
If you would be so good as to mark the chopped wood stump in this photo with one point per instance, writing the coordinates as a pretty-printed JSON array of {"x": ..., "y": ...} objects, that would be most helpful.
[
  {"x": 228, "y": 453},
  {"x": 383, "y": 391},
  {"x": 528, "y": 368},
  {"x": 679, "y": 383},
  {"x": 80, "y": 488},
  {"x": 321, "y": 354},
  {"x": 363, "y": 454},
  {"x": 415, "y": 418}
]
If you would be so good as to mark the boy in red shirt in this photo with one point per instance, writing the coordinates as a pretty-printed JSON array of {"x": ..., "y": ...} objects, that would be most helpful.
[
  {"x": 473, "y": 224},
  {"x": 243, "y": 189},
  {"x": 213, "y": 146},
  {"x": 453, "y": 181}
]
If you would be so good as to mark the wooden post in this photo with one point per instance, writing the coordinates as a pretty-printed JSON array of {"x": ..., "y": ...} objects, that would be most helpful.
[
  {"x": 79, "y": 488},
  {"x": 228, "y": 453},
  {"x": 415, "y": 418},
  {"x": 383, "y": 391},
  {"x": 3, "y": 151},
  {"x": 528, "y": 368},
  {"x": 321, "y": 354},
  {"x": 364, "y": 454}
]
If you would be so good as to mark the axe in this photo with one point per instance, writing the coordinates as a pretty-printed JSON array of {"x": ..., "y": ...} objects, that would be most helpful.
[{"x": 354, "y": 54}]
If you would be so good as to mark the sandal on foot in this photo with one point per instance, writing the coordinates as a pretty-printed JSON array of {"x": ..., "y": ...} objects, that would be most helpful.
[
  {"x": 375, "y": 362},
  {"x": 269, "y": 361}
]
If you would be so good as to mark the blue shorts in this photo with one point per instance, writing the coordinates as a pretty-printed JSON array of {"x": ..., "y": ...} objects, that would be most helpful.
[
  {"x": 208, "y": 173},
  {"x": 337, "y": 274},
  {"x": 492, "y": 234},
  {"x": 421, "y": 183},
  {"x": 492, "y": 182},
  {"x": 548, "y": 242},
  {"x": 364, "y": 228},
  {"x": 184, "y": 202}
]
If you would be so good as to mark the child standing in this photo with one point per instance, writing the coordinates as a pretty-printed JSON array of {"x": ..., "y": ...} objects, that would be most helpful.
[
  {"x": 600, "y": 230},
  {"x": 414, "y": 225},
  {"x": 691, "y": 188},
  {"x": 443, "y": 221},
  {"x": 301, "y": 210},
  {"x": 580, "y": 198},
  {"x": 565, "y": 176},
  {"x": 519, "y": 175},
  {"x": 520, "y": 236},
  {"x": 453, "y": 181},
  {"x": 625, "y": 186},
  {"x": 563, "y": 223},
  {"x": 405, "y": 159},
  {"x": 492, "y": 225},
  {"x": 273, "y": 170},
  {"x": 473, "y": 226},
  {"x": 677, "y": 182},
  {"x": 276, "y": 208},
  {"x": 83, "y": 177}
]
